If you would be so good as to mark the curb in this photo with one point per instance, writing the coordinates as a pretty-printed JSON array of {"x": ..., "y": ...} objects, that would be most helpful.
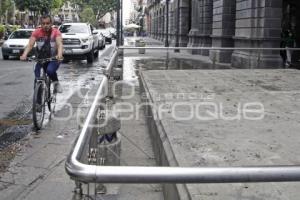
[{"x": 163, "y": 152}]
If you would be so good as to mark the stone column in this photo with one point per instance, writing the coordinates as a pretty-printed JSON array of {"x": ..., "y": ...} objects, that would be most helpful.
[
  {"x": 152, "y": 22},
  {"x": 206, "y": 15},
  {"x": 156, "y": 23},
  {"x": 172, "y": 24},
  {"x": 258, "y": 24},
  {"x": 184, "y": 12},
  {"x": 163, "y": 24},
  {"x": 194, "y": 34},
  {"x": 223, "y": 29}
]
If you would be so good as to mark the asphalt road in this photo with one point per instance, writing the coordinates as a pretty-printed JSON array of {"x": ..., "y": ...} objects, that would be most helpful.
[{"x": 16, "y": 80}]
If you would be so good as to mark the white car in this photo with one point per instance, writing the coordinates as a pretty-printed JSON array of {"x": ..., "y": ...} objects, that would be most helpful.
[
  {"x": 16, "y": 43},
  {"x": 80, "y": 41},
  {"x": 101, "y": 39},
  {"x": 107, "y": 34},
  {"x": 113, "y": 31}
]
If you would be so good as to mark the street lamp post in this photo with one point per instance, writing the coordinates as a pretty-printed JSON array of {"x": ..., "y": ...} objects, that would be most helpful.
[
  {"x": 121, "y": 31},
  {"x": 177, "y": 27},
  {"x": 118, "y": 23},
  {"x": 167, "y": 24}
]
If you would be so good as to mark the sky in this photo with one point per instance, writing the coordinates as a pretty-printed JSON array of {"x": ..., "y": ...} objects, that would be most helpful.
[{"x": 127, "y": 7}]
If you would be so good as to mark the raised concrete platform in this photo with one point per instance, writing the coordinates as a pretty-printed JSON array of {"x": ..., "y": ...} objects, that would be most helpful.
[{"x": 179, "y": 141}]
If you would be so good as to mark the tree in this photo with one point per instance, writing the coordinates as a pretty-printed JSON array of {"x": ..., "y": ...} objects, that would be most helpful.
[
  {"x": 87, "y": 15},
  {"x": 99, "y": 7},
  {"x": 56, "y": 4},
  {"x": 39, "y": 6},
  {"x": 5, "y": 5}
]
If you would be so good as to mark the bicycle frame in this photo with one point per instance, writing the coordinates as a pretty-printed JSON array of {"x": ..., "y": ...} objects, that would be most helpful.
[{"x": 42, "y": 91}]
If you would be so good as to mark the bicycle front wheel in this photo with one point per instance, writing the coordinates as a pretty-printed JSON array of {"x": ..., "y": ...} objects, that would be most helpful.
[{"x": 39, "y": 105}]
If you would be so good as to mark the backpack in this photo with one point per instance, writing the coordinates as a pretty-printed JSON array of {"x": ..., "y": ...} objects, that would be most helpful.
[{"x": 43, "y": 49}]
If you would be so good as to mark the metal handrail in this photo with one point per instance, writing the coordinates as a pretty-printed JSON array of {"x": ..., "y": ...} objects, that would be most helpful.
[
  {"x": 85, "y": 173},
  {"x": 112, "y": 62},
  {"x": 207, "y": 48}
]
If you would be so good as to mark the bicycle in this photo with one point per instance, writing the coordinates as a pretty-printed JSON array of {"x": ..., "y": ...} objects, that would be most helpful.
[{"x": 43, "y": 94}]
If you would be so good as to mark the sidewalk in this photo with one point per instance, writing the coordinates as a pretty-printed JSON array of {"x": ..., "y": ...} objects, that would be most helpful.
[{"x": 187, "y": 135}]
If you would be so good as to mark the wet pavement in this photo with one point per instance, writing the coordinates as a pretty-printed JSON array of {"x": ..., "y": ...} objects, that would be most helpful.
[
  {"x": 16, "y": 84},
  {"x": 38, "y": 166}
]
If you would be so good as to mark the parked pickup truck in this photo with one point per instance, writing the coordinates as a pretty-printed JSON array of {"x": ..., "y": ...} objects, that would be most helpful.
[{"x": 80, "y": 41}]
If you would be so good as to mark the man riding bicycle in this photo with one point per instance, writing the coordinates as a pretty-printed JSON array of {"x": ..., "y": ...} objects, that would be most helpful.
[{"x": 48, "y": 45}]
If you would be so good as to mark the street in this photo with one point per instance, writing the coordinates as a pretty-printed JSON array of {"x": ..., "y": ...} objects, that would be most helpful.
[{"x": 16, "y": 83}]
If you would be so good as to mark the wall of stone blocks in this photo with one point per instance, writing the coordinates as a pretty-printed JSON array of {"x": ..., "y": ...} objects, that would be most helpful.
[
  {"x": 223, "y": 29},
  {"x": 225, "y": 23},
  {"x": 257, "y": 24}
]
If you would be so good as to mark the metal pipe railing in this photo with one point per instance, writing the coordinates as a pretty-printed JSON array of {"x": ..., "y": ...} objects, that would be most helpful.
[
  {"x": 208, "y": 48},
  {"x": 85, "y": 173},
  {"x": 112, "y": 62}
]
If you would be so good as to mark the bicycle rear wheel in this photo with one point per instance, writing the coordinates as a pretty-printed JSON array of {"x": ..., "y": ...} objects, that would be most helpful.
[{"x": 38, "y": 105}]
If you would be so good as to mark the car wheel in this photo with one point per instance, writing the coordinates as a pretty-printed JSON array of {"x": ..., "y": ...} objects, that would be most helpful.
[
  {"x": 5, "y": 57},
  {"x": 90, "y": 57}
]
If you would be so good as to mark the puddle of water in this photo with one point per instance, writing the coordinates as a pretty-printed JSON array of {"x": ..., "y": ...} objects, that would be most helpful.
[
  {"x": 130, "y": 71},
  {"x": 17, "y": 124},
  {"x": 173, "y": 64}
]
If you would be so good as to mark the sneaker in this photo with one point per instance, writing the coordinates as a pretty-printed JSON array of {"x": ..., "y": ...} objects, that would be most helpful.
[{"x": 57, "y": 87}]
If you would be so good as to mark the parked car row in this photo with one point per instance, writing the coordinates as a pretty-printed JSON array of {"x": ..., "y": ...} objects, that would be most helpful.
[{"x": 80, "y": 40}]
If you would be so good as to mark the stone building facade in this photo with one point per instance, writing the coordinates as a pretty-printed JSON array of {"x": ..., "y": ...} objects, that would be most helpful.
[{"x": 226, "y": 23}]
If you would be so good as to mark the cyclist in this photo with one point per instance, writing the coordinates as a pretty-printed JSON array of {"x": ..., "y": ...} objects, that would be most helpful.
[{"x": 48, "y": 44}]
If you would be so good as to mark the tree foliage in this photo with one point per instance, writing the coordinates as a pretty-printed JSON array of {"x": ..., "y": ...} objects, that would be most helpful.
[
  {"x": 87, "y": 15},
  {"x": 56, "y": 4},
  {"x": 4, "y": 6},
  {"x": 40, "y": 6},
  {"x": 99, "y": 7}
]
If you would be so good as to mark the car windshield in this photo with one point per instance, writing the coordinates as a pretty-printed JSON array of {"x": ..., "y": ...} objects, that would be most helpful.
[
  {"x": 20, "y": 35},
  {"x": 73, "y": 29}
]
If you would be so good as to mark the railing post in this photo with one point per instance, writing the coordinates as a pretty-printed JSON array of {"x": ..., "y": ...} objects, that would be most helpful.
[
  {"x": 258, "y": 59},
  {"x": 78, "y": 191},
  {"x": 214, "y": 59}
]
